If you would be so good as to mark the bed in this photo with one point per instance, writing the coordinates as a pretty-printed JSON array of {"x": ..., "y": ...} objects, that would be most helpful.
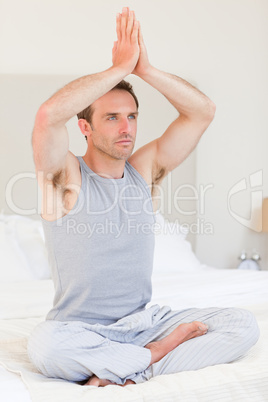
[{"x": 179, "y": 280}]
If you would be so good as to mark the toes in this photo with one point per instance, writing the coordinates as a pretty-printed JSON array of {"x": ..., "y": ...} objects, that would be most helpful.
[
  {"x": 94, "y": 380},
  {"x": 103, "y": 383},
  {"x": 201, "y": 326},
  {"x": 194, "y": 329},
  {"x": 98, "y": 382}
]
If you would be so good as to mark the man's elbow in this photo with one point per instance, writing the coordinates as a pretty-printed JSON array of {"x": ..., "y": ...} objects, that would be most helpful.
[
  {"x": 207, "y": 115},
  {"x": 42, "y": 116},
  {"x": 47, "y": 116},
  {"x": 210, "y": 110}
]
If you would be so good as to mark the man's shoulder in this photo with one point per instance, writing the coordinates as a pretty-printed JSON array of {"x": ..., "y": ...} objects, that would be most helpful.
[{"x": 142, "y": 166}]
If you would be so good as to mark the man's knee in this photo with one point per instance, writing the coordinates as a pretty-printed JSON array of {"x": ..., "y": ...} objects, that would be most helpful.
[
  {"x": 45, "y": 348},
  {"x": 252, "y": 331},
  {"x": 41, "y": 343},
  {"x": 245, "y": 326}
]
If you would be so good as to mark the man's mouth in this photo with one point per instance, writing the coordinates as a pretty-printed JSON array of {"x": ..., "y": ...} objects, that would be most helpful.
[{"x": 124, "y": 141}]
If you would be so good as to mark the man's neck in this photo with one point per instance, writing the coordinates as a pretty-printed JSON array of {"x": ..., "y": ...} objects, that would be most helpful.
[{"x": 106, "y": 167}]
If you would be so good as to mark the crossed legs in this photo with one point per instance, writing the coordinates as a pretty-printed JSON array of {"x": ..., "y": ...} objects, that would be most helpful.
[
  {"x": 161, "y": 348},
  {"x": 136, "y": 348}
]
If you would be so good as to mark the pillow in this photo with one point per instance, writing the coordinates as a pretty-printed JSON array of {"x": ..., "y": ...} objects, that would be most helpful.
[
  {"x": 163, "y": 226},
  {"x": 23, "y": 254},
  {"x": 172, "y": 252}
]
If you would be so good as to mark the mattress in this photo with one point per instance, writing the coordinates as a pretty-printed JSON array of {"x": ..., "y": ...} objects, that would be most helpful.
[{"x": 24, "y": 304}]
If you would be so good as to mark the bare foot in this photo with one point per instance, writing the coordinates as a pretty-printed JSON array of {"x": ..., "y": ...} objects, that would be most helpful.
[
  {"x": 161, "y": 348},
  {"x": 181, "y": 334},
  {"x": 98, "y": 382}
]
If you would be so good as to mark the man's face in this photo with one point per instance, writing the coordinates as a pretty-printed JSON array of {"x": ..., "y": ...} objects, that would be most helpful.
[{"x": 114, "y": 124}]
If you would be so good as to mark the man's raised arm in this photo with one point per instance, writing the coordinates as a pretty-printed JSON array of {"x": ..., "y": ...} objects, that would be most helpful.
[
  {"x": 50, "y": 138},
  {"x": 196, "y": 111}
]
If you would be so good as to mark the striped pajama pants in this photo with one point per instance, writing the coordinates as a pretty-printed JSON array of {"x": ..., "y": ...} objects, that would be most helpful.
[{"x": 75, "y": 350}]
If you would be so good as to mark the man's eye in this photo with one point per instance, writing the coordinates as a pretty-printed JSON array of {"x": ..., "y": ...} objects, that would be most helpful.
[
  {"x": 132, "y": 116},
  {"x": 112, "y": 118}
]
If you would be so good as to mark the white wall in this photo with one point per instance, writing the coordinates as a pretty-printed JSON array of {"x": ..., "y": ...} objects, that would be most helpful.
[
  {"x": 236, "y": 147},
  {"x": 218, "y": 45}
]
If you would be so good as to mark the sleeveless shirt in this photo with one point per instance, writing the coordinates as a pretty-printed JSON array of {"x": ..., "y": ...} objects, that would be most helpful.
[{"x": 101, "y": 252}]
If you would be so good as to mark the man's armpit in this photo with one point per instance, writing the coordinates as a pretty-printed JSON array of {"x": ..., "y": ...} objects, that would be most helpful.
[
  {"x": 59, "y": 179},
  {"x": 158, "y": 174}
]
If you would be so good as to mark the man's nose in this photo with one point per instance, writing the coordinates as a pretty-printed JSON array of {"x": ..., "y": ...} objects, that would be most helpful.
[{"x": 124, "y": 126}]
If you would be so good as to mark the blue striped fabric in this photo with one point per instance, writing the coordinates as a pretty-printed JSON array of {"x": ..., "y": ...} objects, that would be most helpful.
[{"x": 75, "y": 350}]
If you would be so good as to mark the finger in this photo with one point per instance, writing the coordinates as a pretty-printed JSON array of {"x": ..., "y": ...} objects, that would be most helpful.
[
  {"x": 141, "y": 42},
  {"x": 115, "y": 46},
  {"x": 130, "y": 23},
  {"x": 124, "y": 21},
  {"x": 140, "y": 38},
  {"x": 135, "y": 31},
  {"x": 118, "y": 25}
]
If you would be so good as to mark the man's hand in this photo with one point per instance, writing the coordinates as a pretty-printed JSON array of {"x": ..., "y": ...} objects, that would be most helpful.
[
  {"x": 126, "y": 49},
  {"x": 143, "y": 65}
]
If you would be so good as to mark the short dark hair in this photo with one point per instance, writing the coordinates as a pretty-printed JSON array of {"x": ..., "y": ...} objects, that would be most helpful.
[{"x": 123, "y": 86}]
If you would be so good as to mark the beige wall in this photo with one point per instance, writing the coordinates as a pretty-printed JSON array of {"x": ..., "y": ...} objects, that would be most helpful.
[{"x": 218, "y": 45}]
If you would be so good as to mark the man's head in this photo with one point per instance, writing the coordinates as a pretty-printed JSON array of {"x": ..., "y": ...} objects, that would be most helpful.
[
  {"x": 110, "y": 120},
  {"x": 88, "y": 112}
]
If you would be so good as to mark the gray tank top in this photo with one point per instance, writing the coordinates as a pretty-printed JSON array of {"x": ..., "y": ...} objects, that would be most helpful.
[{"x": 101, "y": 252}]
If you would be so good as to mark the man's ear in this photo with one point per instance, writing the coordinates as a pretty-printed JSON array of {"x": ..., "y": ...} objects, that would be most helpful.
[{"x": 84, "y": 127}]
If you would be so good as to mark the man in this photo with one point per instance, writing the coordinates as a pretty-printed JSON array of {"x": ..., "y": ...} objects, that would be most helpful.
[{"x": 98, "y": 218}]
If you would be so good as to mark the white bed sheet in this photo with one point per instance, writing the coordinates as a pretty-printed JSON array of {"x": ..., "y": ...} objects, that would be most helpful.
[
  {"x": 12, "y": 389},
  {"x": 210, "y": 287},
  {"x": 23, "y": 305}
]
